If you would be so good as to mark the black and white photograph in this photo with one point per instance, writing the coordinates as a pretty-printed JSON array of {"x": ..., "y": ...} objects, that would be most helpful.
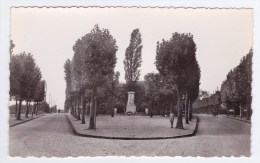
[{"x": 130, "y": 81}]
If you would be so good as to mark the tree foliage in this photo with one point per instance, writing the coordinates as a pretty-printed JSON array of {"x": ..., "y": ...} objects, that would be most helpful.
[
  {"x": 236, "y": 88},
  {"x": 92, "y": 66},
  {"x": 177, "y": 64},
  {"x": 40, "y": 91},
  {"x": 15, "y": 76},
  {"x": 154, "y": 84},
  {"x": 25, "y": 80},
  {"x": 133, "y": 57}
]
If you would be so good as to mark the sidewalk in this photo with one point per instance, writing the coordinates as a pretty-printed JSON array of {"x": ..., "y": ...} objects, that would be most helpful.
[
  {"x": 239, "y": 119},
  {"x": 236, "y": 118},
  {"x": 133, "y": 127},
  {"x": 14, "y": 122}
]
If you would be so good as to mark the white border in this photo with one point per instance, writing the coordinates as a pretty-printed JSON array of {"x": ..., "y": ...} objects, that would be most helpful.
[{"x": 4, "y": 73}]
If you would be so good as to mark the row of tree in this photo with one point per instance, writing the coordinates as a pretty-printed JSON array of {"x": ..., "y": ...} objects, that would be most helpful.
[
  {"x": 236, "y": 88},
  {"x": 26, "y": 82},
  {"x": 91, "y": 68},
  {"x": 91, "y": 79}
]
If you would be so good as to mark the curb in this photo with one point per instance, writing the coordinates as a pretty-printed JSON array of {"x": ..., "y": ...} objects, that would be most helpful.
[
  {"x": 131, "y": 138},
  {"x": 238, "y": 119},
  {"x": 12, "y": 125}
]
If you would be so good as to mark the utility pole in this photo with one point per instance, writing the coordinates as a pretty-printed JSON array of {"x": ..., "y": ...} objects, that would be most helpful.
[
  {"x": 50, "y": 101},
  {"x": 45, "y": 91}
]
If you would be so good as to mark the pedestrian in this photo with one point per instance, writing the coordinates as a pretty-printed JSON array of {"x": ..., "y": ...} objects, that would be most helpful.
[{"x": 171, "y": 119}]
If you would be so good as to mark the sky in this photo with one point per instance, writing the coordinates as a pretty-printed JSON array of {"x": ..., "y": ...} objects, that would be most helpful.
[{"x": 222, "y": 36}]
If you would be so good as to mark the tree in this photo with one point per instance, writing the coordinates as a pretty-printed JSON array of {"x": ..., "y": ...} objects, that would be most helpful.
[
  {"x": 39, "y": 95},
  {"x": 24, "y": 79},
  {"x": 133, "y": 57},
  {"x": 99, "y": 62},
  {"x": 203, "y": 94},
  {"x": 15, "y": 77},
  {"x": 191, "y": 86},
  {"x": 12, "y": 45},
  {"x": 111, "y": 89},
  {"x": 236, "y": 88},
  {"x": 76, "y": 86},
  {"x": 80, "y": 82},
  {"x": 174, "y": 59},
  {"x": 32, "y": 76},
  {"x": 68, "y": 80},
  {"x": 248, "y": 83},
  {"x": 153, "y": 82}
]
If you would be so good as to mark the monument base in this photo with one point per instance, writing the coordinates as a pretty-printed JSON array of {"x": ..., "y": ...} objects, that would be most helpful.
[{"x": 131, "y": 109}]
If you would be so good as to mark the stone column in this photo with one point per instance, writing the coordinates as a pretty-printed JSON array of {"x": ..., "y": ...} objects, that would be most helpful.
[
  {"x": 115, "y": 110},
  {"x": 146, "y": 111}
]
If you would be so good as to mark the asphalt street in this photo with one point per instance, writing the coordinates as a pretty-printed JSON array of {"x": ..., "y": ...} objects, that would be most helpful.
[{"x": 51, "y": 135}]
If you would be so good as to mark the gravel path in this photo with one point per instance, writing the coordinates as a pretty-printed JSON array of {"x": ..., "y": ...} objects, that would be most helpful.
[
  {"x": 51, "y": 136},
  {"x": 133, "y": 126}
]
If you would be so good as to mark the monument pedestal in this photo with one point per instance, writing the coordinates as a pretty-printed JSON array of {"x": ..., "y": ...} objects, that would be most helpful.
[{"x": 130, "y": 107}]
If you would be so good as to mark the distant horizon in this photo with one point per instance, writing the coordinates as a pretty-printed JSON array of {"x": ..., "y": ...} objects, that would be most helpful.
[{"x": 222, "y": 37}]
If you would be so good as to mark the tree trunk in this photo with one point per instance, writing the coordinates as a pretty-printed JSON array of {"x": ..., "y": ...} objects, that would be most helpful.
[
  {"x": 92, "y": 110},
  {"x": 88, "y": 108},
  {"x": 16, "y": 107},
  {"x": 190, "y": 110},
  {"x": 33, "y": 109},
  {"x": 95, "y": 117},
  {"x": 75, "y": 108},
  {"x": 37, "y": 107},
  {"x": 151, "y": 109},
  {"x": 71, "y": 108},
  {"x": 186, "y": 109},
  {"x": 159, "y": 108},
  {"x": 234, "y": 113},
  {"x": 248, "y": 112},
  {"x": 27, "y": 109},
  {"x": 78, "y": 116},
  {"x": 18, "y": 116},
  {"x": 241, "y": 111},
  {"x": 83, "y": 109},
  {"x": 112, "y": 107},
  {"x": 179, "y": 115}
]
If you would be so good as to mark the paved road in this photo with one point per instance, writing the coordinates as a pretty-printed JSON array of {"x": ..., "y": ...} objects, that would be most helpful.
[
  {"x": 51, "y": 136},
  {"x": 221, "y": 125}
]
